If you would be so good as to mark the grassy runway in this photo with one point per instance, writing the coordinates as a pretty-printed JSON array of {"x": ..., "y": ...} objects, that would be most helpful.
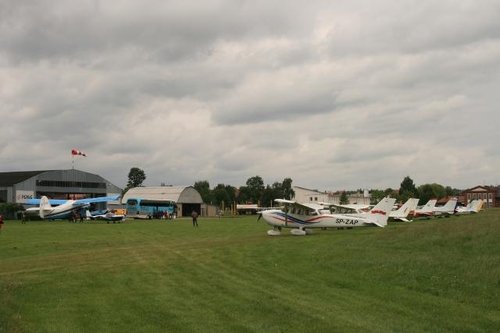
[{"x": 441, "y": 275}]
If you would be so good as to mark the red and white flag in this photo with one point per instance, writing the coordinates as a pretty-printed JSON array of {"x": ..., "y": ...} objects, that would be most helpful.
[{"x": 77, "y": 152}]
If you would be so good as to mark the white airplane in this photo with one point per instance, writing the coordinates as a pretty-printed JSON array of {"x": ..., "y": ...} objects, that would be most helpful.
[
  {"x": 427, "y": 210},
  {"x": 402, "y": 213},
  {"x": 65, "y": 207},
  {"x": 448, "y": 209},
  {"x": 303, "y": 217},
  {"x": 473, "y": 207},
  {"x": 107, "y": 216}
]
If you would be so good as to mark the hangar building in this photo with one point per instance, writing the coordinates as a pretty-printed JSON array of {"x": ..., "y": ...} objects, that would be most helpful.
[
  {"x": 187, "y": 198},
  {"x": 19, "y": 186}
]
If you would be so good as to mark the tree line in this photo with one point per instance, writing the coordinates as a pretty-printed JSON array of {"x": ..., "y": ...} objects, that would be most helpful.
[
  {"x": 253, "y": 192},
  {"x": 257, "y": 193},
  {"x": 408, "y": 189},
  {"x": 225, "y": 195}
]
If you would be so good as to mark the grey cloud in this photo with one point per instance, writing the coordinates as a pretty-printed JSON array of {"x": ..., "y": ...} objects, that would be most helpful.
[
  {"x": 333, "y": 94},
  {"x": 406, "y": 27},
  {"x": 55, "y": 29},
  {"x": 277, "y": 107}
]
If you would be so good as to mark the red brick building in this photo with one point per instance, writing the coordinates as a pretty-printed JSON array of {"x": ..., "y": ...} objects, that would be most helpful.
[{"x": 489, "y": 194}]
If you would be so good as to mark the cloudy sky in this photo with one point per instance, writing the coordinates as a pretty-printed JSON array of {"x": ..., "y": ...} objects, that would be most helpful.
[{"x": 334, "y": 94}]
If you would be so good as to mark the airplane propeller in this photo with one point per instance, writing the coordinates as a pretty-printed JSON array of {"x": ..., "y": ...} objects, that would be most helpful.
[{"x": 286, "y": 215}]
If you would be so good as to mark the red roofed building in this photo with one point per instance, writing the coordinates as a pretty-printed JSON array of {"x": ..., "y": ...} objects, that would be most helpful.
[{"x": 489, "y": 194}]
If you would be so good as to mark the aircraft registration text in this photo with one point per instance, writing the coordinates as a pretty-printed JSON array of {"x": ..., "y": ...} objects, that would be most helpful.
[{"x": 347, "y": 221}]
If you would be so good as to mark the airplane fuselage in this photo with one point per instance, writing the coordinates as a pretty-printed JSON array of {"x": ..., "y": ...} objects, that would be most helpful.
[
  {"x": 58, "y": 212},
  {"x": 278, "y": 218}
]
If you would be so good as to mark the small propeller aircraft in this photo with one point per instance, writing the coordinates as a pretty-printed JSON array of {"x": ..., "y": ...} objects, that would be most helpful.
[
  {"x": 108, "y": 216},
  {"x": 427, "y": 210},
  {"x": 65, "y": 207},
  {"x": 473, "y": 207},
  {"x": 402, "y": 213},
  {"x": 446, "y": 210},
  {"x": 302, "y": 217}
]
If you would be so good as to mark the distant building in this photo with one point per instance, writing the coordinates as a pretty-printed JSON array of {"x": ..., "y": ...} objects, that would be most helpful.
[
  {"x": 489, "y": 194},
  {"x": 243, "y": 209},
  {"x": 187, "y": 198},
  {"x": 19, "y": 186},
  {"x": 305, "y": 195}
]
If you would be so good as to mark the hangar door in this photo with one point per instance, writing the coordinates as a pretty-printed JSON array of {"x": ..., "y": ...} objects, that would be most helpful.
[{"x": 187, "y": 209}]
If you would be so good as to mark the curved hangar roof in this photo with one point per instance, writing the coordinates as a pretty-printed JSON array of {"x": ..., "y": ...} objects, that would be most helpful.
[{"x": 178, "y": 194}]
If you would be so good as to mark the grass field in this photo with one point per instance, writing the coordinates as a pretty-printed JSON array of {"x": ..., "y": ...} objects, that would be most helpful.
[{"x": 229, "y": 276}]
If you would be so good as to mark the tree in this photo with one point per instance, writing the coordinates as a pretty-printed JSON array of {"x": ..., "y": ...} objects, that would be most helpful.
[
  {"x": 203, "y": 187},
  {"x": 243, "y": 195},
  {"x": 376, "y": 196},
  {"x": 223, "y": 193},
  {"x": 452, "y": 192},
  {"x": 231, "y": 193},
  {"x": 136, "y": 177},
  {"x": 286, "y": 187},
  {"x": 270, "y": 193},
  {"x": 268, "y": 196},
  {"x": 407, "y": 189},
  {"x": 9, "y": 209},
  {"x": 343, "y": 198},
  {"x": 430, "y": 191},
  {"x": 256, "y": 192},
  {"x": 255, "y": 186}
]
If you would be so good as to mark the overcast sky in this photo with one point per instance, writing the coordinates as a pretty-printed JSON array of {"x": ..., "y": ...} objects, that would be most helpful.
[{"x": 333, "y": 94}]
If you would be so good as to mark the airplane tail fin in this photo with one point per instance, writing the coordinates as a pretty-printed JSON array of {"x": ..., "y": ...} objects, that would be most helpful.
[
  {"x": 450, "y": 205},
  {"x": 477, "y": 206},
  {"x": 471, "y": 205},
  {"x": 429, "y": 206},
  {"x": 44, "y": 206},
  {"x": 407, "y": 207},
  {"x": 413, "y": 205},
  {"x": 380, "y": 213}
]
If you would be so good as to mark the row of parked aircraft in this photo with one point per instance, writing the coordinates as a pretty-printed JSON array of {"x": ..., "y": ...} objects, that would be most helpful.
[{"x": 302, "y": 217}]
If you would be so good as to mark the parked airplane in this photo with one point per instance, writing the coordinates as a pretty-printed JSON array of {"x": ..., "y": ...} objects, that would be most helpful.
[
  {"x": 402, "y": 213},
  {"x": 106, "y": 216},
  {"x": 65, "y": 207},
  {"x": 473, "y": 207},
  {"x": 302, "y": 217},
  {"x": 427, "y": 210},
  {"x": 448, "y": 209}
]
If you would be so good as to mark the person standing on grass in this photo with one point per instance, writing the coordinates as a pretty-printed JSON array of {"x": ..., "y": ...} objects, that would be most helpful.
[
  {"x": 194, "y": 215},
  {"x": 1, "y": 223}
]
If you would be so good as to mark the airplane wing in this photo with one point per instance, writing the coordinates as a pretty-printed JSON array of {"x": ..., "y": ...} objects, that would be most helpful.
[
  {"x": 298, "y": 204},
  {"x": 348, "y": 209},
  {"x": 76, "y": 202},
  {"x": 285, "y": 201},
  {"x": 98, "y": 199},
  {"x": 343, "y": 208},
  {"x": 36, "y": 202}
]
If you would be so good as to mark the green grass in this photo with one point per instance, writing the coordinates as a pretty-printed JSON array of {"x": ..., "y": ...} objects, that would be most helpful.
[{"x": 229, "y": 276}]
